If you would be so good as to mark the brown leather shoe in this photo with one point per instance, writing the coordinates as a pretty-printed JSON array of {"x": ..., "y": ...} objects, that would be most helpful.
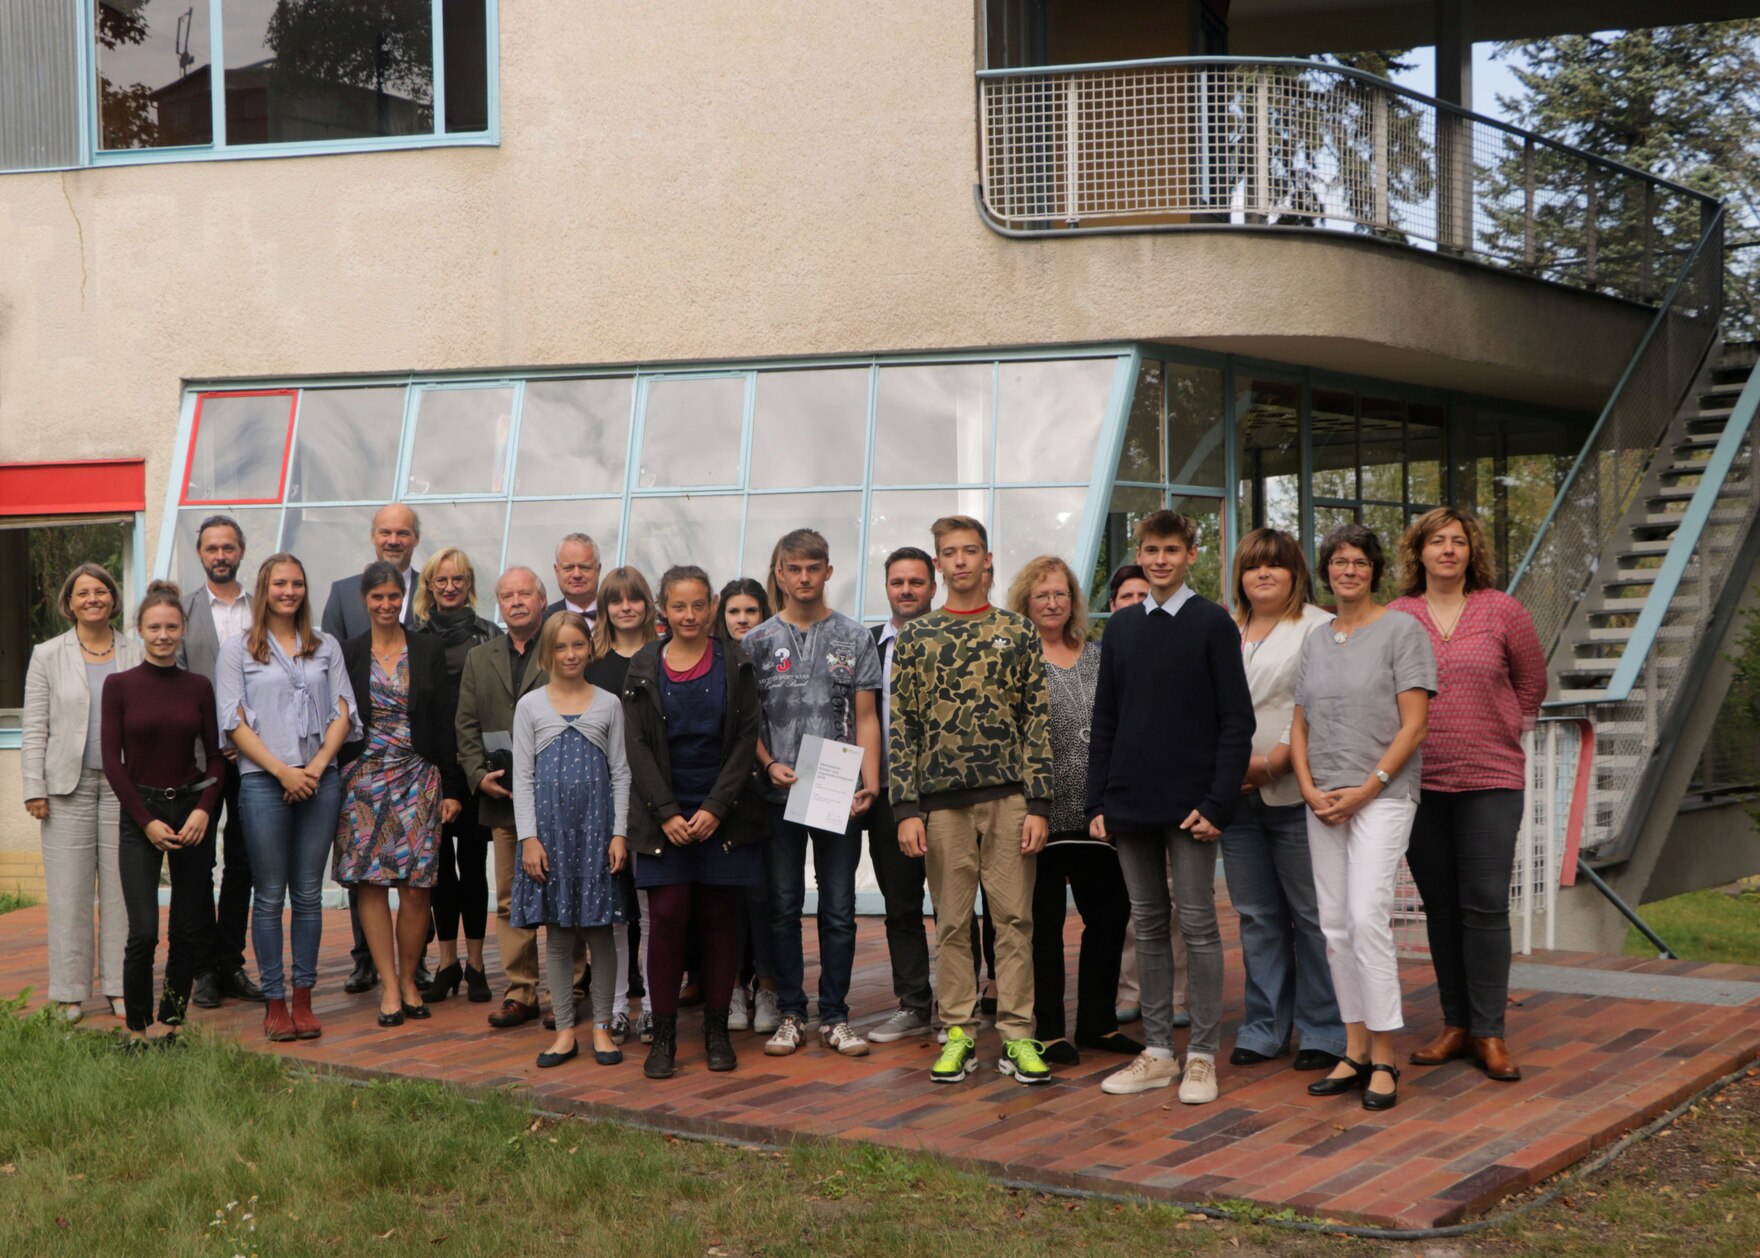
[
  {"x": 513, "y": 1013},
  {"x": 1452, "y": 1043},
  {"x": 1493, "y": 1057}
]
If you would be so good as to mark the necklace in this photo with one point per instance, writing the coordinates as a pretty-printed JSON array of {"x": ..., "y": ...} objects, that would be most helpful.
[
  {"x": 1448, "y": 633},
  {"x": 96, "y": 654},
  {"x": 1060, "y": 682}
]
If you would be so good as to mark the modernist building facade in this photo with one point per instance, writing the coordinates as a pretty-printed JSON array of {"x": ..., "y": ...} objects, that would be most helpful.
[{"x": 685, "y": 283}]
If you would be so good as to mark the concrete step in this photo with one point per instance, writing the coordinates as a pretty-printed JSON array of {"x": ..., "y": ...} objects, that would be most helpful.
[
  {"x": 1706, "y": 442},
  {"x": 1610, "y": 606},
  {"x": 1623, "y": 633}
]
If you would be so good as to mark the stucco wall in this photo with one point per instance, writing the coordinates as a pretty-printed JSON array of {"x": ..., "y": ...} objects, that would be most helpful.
[{"x": 719, "y": 181}]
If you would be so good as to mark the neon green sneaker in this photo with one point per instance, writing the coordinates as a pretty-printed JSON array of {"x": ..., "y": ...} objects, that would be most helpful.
[
  {"x": 1021, "y": 1059},
  {"x": 959, "y": 1057}
]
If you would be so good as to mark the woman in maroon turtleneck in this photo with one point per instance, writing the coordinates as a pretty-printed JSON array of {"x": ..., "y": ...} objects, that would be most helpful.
[{"x": 154, "y": 716}]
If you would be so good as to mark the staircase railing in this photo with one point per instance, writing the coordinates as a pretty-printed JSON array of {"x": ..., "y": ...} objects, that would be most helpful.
[{"x": 1560, "y": 566}]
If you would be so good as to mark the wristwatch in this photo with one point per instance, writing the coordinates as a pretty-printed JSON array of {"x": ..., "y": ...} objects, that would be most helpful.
[{"x": 1382, "y": 775}]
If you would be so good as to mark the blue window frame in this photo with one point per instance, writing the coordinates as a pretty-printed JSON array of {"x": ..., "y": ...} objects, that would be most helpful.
[{"x": 191, "y": 80}]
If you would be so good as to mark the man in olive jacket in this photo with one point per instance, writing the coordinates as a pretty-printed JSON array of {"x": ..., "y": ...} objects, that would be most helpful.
[{"x": 497, "y": 674}]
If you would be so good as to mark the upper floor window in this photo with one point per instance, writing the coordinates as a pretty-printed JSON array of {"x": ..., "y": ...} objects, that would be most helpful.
[{"x": 237, "y": 74}]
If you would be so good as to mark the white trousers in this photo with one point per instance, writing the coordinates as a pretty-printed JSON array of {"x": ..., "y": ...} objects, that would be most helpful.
[
  {"x": 79, "y": 856},
  {"x": 1356, "y": 865}
]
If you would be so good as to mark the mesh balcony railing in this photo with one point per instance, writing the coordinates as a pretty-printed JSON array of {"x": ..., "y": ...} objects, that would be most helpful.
[{"x": 1299, "y": 143}]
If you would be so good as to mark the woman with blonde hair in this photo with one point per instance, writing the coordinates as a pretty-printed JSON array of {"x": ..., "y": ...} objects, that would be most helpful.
[
  {"x": 1491, "y": 677},
  {"x": 446, "y": 608},
  {"x": 1047, "y": 593},
  {"x": 1265, "y": 855},
  {"x": 65, "y": 789}
]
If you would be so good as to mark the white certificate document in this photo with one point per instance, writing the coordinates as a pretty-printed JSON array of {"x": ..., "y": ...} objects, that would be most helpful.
[{"x": 826, "y": 777}]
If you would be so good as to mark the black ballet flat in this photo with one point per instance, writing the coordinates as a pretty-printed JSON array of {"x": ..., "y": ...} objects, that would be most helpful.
[
  {"x": 1381, "y": 1100},
  {"x": 1330, "y": 1086},
  {"x": 1251, "y": 1057},
  {"x": 613, "y": 1058},
  {"x": 547, "y": 1060},
  {"x": 1061, "y": 1053},
  {"x": 394, "y": 1018},
  {"x": 1112, "y": 1042},
  {"x": 417, "y": 1012}
]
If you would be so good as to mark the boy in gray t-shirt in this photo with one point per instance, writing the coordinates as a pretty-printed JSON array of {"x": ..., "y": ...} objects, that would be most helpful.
[{"x": 818, "y": 673}]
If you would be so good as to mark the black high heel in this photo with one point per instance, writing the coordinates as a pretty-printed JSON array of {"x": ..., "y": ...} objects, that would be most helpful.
[
  {"x": 1381, "y": 1100},
  {"x": 1331, "y": 1086},
  {"x": 394, "y": 1018},
  {"x": 417, "y": 1011},
  {"x": 477, "y": 984},
  {"x": 445, "y": 983}
]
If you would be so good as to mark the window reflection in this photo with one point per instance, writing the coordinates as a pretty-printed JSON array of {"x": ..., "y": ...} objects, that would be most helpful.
[
  {"x": 574, "y": 436},
  {"x": 1129, "y": 504},
  {"x": 691, "y": 431},
  {"x": 688, "y": 529},
  {"x": 837, "y": 516},
  {"x": 932, "y": 424},
  {"x": 240, "y": 446},
  {"x": 902, "y": 518},
  {"x": 1384, "y": 450},
  {"x": 303, "y": 70},
  {"x": 1139, "y": 458},
  {"x": 464, "y": 37},
  {"x": 475, "y": 528},
  {"x": 1269, "y": 420},
  {"x": 154, "y": 74},
  {"x": 346, "y": 445},
  {"x": 1334, "y": 429},
  {"x": 459, "y": 442},
  {"x": 1207, "y": 573},
  {"x": 809, "y": 428},
  {"x": 331, "y": 542},
  {"x": 1031, "y": 522},
  {"x": 1048, "y": 418},
  {"x": 1424, "y": 447},
  {"x": 534, "y": 529},
  {"x": 1196, "y": 433}
]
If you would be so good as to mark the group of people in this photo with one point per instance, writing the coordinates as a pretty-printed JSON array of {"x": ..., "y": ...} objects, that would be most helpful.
[{"x": 627, "y": 753}]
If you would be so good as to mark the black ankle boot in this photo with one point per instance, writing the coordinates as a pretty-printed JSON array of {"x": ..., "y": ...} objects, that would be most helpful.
[
  {"x": 445, "y": 983},
  {"x": 715, "y": 1041},
  {"x": 665, "y": 1046},
  {"x": 477, "y": 983}
]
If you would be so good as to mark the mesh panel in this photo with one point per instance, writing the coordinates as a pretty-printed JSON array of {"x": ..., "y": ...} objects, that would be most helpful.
[{"x": 1196, "y": 141}]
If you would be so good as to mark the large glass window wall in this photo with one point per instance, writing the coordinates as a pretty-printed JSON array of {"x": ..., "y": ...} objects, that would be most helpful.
[{"x": 704, "y": 466}]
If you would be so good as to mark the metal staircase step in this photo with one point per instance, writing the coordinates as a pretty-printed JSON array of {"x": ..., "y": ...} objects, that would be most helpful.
[
  {"x": 1616, "y": 605},
  {"x": 1623, "y": 633},
  {"x": 1706, "y": 442},
  {"x": 1643, "y": 550}
]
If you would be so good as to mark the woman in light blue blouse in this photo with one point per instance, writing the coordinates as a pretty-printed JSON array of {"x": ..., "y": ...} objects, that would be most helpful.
[{"x": 286, "y": 705}]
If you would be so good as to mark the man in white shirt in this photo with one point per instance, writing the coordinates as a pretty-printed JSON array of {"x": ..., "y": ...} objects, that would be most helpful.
[
  {"x": 215, "y": 613},
  {"x": 577, "y": 574}
]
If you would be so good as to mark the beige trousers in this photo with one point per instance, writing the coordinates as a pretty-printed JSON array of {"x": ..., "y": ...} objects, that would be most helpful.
[
  {"x": 517, "y": 945},
  {"x": 965, "y": 844},
  {"x": 79, "y": 853}
]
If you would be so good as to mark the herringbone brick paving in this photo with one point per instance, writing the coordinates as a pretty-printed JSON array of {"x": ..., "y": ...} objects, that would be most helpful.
[{"x": 1594, "y": 1066}]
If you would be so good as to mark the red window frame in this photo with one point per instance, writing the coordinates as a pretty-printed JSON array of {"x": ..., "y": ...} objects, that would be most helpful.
[{"x": 195, "y": 434}]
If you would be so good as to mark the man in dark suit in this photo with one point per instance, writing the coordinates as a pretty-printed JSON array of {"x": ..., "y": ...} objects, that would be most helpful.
[
  {"x": 214, "y": 613},
  {"x": 577, "y": 575},
  {"x": 395, "y": 533},
  {"x": 497, "y": 673}
]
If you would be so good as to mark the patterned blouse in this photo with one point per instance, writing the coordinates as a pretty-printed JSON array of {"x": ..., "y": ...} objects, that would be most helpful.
[
  {"x": 1072, "y": 711},
  {"x": 1490, "y": 679}
]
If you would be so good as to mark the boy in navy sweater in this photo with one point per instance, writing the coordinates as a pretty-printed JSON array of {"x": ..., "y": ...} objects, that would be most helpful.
[{"x": 1171, "y": 736}]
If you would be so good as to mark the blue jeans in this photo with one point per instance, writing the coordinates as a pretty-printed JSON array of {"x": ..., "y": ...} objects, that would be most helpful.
[
  {"x": 288, "y": 845},
  {"x": 1271, "y": 881},
  {"x": 835, "y": 857}
]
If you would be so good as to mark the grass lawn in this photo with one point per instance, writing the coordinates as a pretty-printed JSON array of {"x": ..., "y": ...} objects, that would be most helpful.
[
  {"x": 9, "y": 902},
  {"x": 1711, "y": 925},
  {"x": 209, "y": 1149}
]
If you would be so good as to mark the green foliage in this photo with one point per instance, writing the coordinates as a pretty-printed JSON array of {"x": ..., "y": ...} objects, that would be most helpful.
[
  {"x": 10, "y": 901},
  {"x": 57, "y": 551}
]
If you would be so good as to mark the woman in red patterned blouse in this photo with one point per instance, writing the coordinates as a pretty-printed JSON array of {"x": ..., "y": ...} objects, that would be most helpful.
[{"x": 1491, "y": 677}]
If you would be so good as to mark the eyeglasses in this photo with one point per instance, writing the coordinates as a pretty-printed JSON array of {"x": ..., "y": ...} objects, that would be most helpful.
[
  {"x": 1045, "y": 598},
  {"x": 1351, "y": 565},
  {"x": 447, "y": 583}
]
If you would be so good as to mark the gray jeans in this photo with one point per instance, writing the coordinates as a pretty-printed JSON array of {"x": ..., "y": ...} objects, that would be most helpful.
[
  {"x": 559, "y": 954},
  {"x": 1146, "y": 862}
]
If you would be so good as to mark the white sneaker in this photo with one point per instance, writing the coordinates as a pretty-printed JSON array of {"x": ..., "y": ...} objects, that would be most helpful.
[
  {"x": 766, "y": 1015},
  {"x": 902, "y": 1023},
  {"x": 1144, "y": 1073},
  {"x": 739, "y": 1017},
  {"x": 789, "y": 1034},
  {"x": 1199, "y": 1086},
  {"x": 839, "y": 1038}
]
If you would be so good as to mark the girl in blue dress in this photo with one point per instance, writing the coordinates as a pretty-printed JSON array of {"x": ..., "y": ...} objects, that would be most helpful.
[{"x": 570, "y": 802}]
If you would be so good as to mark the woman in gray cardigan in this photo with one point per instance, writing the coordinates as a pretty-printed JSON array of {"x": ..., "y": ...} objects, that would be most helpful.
[{"x": 65, "y": 790}]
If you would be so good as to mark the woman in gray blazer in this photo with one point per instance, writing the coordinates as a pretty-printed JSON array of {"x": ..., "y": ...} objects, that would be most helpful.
[{"x": 65, "y": 790}]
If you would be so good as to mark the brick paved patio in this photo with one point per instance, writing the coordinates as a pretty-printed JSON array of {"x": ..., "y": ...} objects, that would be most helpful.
[{"x": 1596, "y": 1066}]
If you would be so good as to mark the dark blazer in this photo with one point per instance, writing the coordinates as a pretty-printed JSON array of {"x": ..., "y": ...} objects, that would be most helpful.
[
  {"x": 430, "y": 715},
  {"x": 737, "y": 797},
  {"x": 345, "y": 612},
  {"x": 561, "y": 604},
  {"x": 485, "y": 706}
]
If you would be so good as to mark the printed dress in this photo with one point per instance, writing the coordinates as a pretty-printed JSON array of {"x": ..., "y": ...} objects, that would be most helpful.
[
  {"x": 574, "y": 803},
  {"x": 389, "y": 830}
]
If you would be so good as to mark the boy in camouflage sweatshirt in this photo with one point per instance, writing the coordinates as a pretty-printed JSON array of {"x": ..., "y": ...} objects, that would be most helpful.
[{"x": 969, "y": 760}]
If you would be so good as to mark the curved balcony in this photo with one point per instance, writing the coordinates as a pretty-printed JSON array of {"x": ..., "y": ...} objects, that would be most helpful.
[{"x": 1196, "y": 143}]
